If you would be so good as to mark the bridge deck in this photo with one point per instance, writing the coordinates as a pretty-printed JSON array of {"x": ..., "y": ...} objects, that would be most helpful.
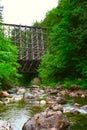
[{"x": 31, "y": 43}]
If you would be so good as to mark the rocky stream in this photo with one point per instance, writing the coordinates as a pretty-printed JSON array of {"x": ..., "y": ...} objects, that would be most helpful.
[{"x": 43, "y": 109}]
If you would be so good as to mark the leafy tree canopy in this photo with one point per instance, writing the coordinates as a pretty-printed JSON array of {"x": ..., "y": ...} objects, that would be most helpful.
[
  {"x": 8, "y": 61},
  {"x": 66, "y": 55}
]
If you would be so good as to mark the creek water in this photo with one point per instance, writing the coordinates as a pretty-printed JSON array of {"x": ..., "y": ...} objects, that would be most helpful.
[{"x": 18, "y": 113}]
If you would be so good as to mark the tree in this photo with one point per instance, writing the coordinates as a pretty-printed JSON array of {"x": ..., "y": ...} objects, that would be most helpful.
[
  {"x": 66, "y": 56},
  {"x": 8, "y": 61}
]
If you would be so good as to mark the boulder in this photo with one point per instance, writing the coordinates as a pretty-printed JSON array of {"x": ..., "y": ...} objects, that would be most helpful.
[
  {"x": 57, "y": 107},
  {"x": 83, "y": 96},
  {"x": 4, "y": 94},
  {"x": 74, "y": 87},
  {"x": 60, "y": 100},
  {"x": 21, "y": 91},
  {"x": 54, "y": 91},
  {"x": 1, "y": 103},
  {"x": 36, "y": 81},
  {"x": 84, "y": 107},
  {"x": 7, "y": 100},
  {"x": 64, "y": 92},
  {"x": 47, "y": 121},
  {"x": 29, "y": 96},
  {"x": 76, "y": 104},
  {"x": 13, "y": 90},
  {"x": 36, "y": 91},
  {"x": 74, "y": 111},
  {"x": 43, "y": 102},
  {"x": 73, "y": 94},
  {"x": 17, "y": 97},
  {"x": 60, "y": 87},
  {"x": 4, "y": 125},
  {"x": 51, "y": 100}
]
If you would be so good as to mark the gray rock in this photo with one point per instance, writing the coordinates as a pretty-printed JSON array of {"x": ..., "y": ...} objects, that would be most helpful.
[
  {"x": 84, "y": 107},
  {"x": 74, "y": 111},
  {"x": 36, "y": 81},
  {"x": 47, "y": 121},
  {"x": 29, "y": 96},
  {"x": 4, "y": 125}
]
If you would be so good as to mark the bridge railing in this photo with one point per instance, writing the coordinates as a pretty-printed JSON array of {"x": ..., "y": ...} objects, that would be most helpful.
[{"x": 31, "y": 41}]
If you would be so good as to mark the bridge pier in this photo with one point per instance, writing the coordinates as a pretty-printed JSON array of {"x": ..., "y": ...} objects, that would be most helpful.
[{"x": 28, "y": 66}]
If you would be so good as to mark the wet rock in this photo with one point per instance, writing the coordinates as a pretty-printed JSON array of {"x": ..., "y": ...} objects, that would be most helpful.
[
  {"x": 57, "y": 107},
  {"x": 51, "y": 100},
  {"x": 29, "y": 96},
  {"x": 36, "y": 90},
  {"x": 83, "y": 96},
  {"x": 54, "y": 91},
  {"x": 60, "y": 100},
  {"x": 4, "y": 125},
  {"x": 74, "y": 111},
  {"x": 73, "y": 94},
  {"x": 8, "y": 100},
  {"x": 21, "y": 91},
  {"x": 36, "y": 102},
  {"x": 64, "y": 92},
  {"x": 13, "y": 90},
  {"x": 55, "y": 99},
  {"x": 1, "y": 103},
  {"x": 60, "y": 87},
  {"x": 84, "y": 107},
  {"x": 4, "y": 94},
  {"x": 34, "y": 87},
  {"x": 50, "y": 112},
  {"x": 36, "y": 81},
  {"x": 46, "y": 121},
  {"x": 74, "y": 87},
  {"x": 79, "y": 93},
  {"x": 48, "y": 89},
  {"x": 77, "y": 105},
  {"x": 43, "y": 102},
  {"x": 17, "y": 97}
]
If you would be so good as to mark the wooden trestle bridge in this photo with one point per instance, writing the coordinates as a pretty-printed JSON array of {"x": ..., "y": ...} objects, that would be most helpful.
[{"x": 31, "y": 42}]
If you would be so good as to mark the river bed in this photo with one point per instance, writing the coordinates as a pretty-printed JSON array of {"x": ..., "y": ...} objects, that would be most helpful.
[{"x": 17, "y": 113}]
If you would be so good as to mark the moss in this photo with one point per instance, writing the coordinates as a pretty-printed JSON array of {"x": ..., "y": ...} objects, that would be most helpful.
[
  {"x": 78, "y": 121},
  {"x": 81, "y": 101}
]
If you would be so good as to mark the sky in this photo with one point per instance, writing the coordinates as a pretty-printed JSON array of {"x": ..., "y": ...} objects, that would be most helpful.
[{"x": 26, "y": 12}]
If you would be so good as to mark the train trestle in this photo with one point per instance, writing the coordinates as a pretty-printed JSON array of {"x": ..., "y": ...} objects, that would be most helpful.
[{"x": 31, "y": 43}]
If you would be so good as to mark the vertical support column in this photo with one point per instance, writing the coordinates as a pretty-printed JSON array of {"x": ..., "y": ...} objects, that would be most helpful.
[
  {"x": 31, "y": 44},
  {"x": 8, "y": 31},
  {"x": 2, "y": 30},
  {"x": 42, "y": 42},
  {"x": 20, "y": 43},
  {"x": 14, "y": 35},
  {"x": 26, "y": 45},
  {"x": 37, "y": 50}
]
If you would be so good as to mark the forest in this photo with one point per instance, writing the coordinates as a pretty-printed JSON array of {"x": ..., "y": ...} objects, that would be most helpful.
[{"x": 65, "y": 59}]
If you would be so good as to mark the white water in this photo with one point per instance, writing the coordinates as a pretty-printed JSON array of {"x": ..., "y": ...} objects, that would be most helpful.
[{"x": 69, "y": 107}]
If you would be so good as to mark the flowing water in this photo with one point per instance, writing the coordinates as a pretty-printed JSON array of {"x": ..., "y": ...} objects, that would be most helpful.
[{"x": 18, "y": 113}]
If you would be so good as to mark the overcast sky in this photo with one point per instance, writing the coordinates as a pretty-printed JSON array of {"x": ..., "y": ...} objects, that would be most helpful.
[{"x": 26, "y": 11}]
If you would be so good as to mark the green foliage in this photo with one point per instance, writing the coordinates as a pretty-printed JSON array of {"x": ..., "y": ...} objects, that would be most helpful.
[
  {"x": 50, "y": 20},
  {"x": 8, "y": 61},
  {"x": 66, "y": 56}
]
